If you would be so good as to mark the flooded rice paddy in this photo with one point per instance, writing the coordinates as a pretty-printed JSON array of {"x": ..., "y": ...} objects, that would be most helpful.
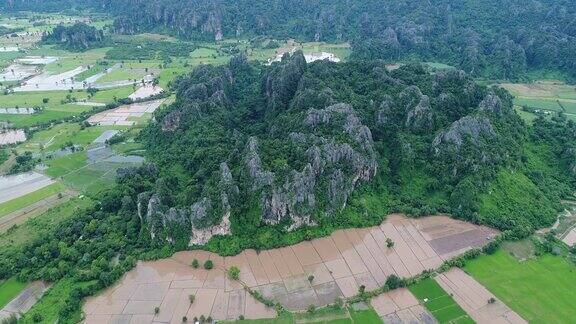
[{"x": 340, "y": 263}]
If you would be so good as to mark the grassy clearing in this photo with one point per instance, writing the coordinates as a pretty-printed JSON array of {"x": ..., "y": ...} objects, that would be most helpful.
[
  {"x": 547, "y": 104},
  {"x": 55, "y": 137},
  {"x": 327, "y": 315},
  {"x": 439, "y": 66},
  {"x": 123, "y": 74},
  {"x": 541, "y": 290},
  {"x": 528, "y": 117},
  {"x": 64, "y": 165},
  {"x": 108, "y": 96},
  {"x": 521, "y": 250},
  {"x": 29, "y": 199},
  {"x": 52, "y": 302},
  {"x": 439, "y": 303},
  {"x": 70, "y": 61},
  {"x": 90, "y": 180},
  {"x": 10, "y": 289},
  {"x": 47, "y": 221}
]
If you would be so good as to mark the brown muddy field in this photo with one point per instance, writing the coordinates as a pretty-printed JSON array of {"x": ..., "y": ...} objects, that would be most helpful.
[
  {"x": 339, "y": 263},
  {"x": 125, "y": 115},
  {"x": 400, "y": 306}
]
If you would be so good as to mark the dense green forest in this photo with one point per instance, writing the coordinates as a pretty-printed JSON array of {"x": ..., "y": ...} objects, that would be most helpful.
[{"x": 493, "y": 38}]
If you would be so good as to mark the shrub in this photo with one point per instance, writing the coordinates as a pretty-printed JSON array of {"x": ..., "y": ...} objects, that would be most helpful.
[
  {"x": 310, "y": 278},
  {"x": 156, "y": 310},
  {"x": 37, "y": 318},
  {"x": 191, "y": 298},
  {"x": 338, "y": 303},
  {"x": 195, "y": 264},
  {"x": 184, "y": 319},
  {"x": 393, "y": 282},
  {"x": 389, "y": 242},
  {"x": 234, "y": 273},
  {"x": 491, "y": 300},
  {"x": 208, "y": 264},
  {"x": 311, "y": 309}
]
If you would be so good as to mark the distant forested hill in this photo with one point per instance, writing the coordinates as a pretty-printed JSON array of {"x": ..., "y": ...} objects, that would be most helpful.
[
  {"x": 498, "y": 38},
  {"x": 494, "y": 38}
]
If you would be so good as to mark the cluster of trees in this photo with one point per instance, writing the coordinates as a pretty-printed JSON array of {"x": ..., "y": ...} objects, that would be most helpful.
[
  {"x": 149, "y": 50},
  {"x": 77, "y": 37}
]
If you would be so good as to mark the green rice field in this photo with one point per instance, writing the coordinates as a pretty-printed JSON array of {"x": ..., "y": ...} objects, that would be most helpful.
[
  {"x": 541, "y": 290},
  {"x": 441, "y": 305},
  {"x": 10, "y": 289},
  {"x": 27, "y": 200}
]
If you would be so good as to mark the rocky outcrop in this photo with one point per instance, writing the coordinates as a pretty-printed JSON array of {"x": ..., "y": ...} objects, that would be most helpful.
[
  {"x": 491, "y": 103},
  {"x": 384, "y": 114},
  {"x": 471, "y": 128},
  {"x": 343, "y": 164},
  {"x": 260, "y": 178},
  {"x": 168, "y": 223},
  {"x": 281, "y": 83},
  {"x": 420, "y": 118}
]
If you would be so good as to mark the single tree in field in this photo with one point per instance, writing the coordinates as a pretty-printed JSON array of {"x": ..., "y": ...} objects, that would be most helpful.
[
  {"x": 208, "y": 264},
  {"x": 389, "y": 242},
  {"x": 195, "y": 264},
  {"x": 234, "y": 273}
]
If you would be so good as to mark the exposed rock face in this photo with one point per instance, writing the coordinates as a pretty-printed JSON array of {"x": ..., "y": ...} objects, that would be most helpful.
[
  {"x": 202, "y": 236},
  {"x": 472, "y": 135},
  {"x": 152, "y": 213},
  {"x": 420, "y": 118},
  {"x": 260, "y": 178},
  {"x": 472, "y": 128},
  {"x": 491, "y": 104},
  {"x": 296, "y": 197},
  {"x": 281, "y": 84},
  {"x": 385, "y": 111}
]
